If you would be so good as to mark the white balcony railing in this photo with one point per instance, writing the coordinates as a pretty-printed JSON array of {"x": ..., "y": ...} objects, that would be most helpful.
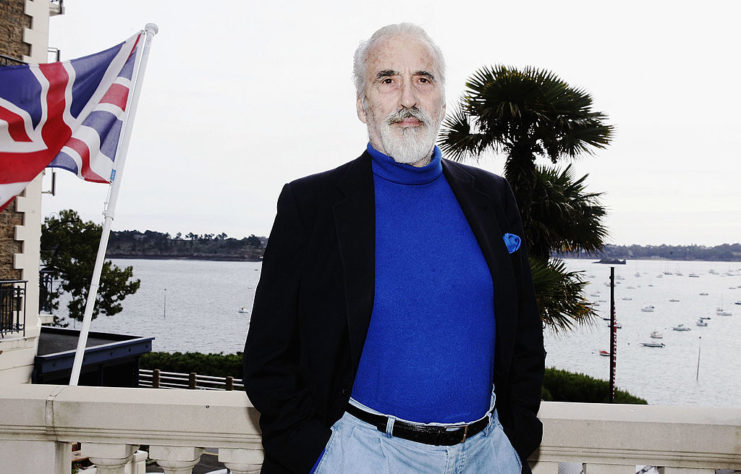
[{"x": 38, "y": 424}]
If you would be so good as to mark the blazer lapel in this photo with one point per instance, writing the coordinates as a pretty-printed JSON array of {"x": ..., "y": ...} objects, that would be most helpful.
[
  {"x": 355, "y": 223},
  {"x": 478, "y": 205}
]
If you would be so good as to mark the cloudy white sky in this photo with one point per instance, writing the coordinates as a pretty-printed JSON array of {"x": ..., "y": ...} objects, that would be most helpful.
[{"x": 241, "y": 97}]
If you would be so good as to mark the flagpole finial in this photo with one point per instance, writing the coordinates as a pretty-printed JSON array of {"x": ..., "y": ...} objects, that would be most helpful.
[{"x": 152, "y": 28}]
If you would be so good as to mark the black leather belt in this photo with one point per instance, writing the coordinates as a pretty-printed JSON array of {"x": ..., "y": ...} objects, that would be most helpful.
[{"x": 427, "y": 434}]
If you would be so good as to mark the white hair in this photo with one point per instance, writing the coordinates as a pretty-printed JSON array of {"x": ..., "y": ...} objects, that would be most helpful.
[{"x": 360, "y": 58}]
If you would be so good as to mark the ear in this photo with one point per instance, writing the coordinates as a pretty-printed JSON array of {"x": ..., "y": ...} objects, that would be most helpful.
[{"x": 360, "y": 110}]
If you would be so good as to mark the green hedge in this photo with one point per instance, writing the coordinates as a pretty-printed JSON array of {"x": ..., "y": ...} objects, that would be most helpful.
[
  {"x": 215, "y": 365},
  {"x": 562, "y": 386},
  {"x": 559, "y": 385}
]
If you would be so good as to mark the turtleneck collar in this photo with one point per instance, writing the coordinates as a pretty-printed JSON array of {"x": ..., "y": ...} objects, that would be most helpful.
[{"x": 385, "y": 167}]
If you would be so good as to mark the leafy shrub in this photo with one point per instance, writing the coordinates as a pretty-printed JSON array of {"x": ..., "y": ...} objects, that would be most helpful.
[
  {"x": 215, "y": 365},
  {"x": 562, "y": 386}
]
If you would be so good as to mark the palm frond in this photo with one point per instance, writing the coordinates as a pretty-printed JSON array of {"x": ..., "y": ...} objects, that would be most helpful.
[{"x": 559, "y": 295}]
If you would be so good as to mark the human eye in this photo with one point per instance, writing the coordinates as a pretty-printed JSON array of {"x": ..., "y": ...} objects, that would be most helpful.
[{"x": 425, "y": 79}]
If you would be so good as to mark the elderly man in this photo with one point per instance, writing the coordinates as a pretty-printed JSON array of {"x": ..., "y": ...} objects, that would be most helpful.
[{"x": 394, "y": 327}]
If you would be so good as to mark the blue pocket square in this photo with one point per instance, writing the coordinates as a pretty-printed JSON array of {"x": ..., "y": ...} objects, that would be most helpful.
[{"x": 512, "y": 242}]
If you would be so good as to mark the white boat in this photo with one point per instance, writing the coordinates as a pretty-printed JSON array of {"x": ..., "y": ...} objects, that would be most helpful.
[
  {"x": 721, "y": 312},
  {"x": 653, "y": 344},
  {"x": 656, "y": 335},
  {"x": 737, "y": 302},
  {"x": 681, "y": 327},
  {"x": 648, "y": 309},
  {"x": 243, "y": 309},
  {"x": 627, "y": 298},
  {"x": 694, "y": 275},
  {"x": 704, "y": 293},
  {"x": 674, "y": 300},
  {"x": 702, "y": 323}
]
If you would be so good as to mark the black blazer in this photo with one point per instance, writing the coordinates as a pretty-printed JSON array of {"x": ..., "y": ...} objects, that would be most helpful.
[{"x": 315, "y": 296}]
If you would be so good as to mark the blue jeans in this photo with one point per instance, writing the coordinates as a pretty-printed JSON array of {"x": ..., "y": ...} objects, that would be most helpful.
[{"x": 357, "y": 447}]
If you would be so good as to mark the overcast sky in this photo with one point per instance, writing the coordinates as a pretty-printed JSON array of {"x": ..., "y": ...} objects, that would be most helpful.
[{"x": 241, "y": 97}]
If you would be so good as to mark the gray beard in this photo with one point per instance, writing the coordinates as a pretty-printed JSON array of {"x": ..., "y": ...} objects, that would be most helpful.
[{"x": 416, "y": 143}]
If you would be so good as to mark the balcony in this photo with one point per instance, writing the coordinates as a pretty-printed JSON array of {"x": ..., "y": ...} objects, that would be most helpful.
[
  {"x": 9, "y": 61},
  {"x": 38, "y": 424},
  {"x": 12, "y": 307},
  {"x": 56, "y": 7}
]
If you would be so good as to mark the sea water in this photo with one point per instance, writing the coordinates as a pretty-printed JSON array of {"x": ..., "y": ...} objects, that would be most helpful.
[{"x": 193, "y": 306}]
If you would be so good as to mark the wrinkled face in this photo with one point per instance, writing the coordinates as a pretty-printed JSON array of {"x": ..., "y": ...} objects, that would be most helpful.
[{"x": 404, "y": 99}]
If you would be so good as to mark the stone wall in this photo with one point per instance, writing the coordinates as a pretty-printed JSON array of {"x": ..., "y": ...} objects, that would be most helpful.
[
  {"x": 9, "y": 218},
  {"x": 13, "y": 20}
]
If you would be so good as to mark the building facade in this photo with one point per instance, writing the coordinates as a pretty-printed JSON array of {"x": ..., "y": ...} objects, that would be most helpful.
[{"x": 24, "y": 36}]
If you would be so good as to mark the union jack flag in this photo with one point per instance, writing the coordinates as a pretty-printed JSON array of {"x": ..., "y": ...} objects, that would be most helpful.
[{"x": 66, "y": 114}]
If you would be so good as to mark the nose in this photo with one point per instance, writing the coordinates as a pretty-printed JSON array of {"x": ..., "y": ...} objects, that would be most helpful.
[{"x": 408, "y": 95}]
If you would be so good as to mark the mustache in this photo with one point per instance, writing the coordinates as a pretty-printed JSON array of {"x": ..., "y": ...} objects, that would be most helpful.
[{"x": 408, "y": 112}]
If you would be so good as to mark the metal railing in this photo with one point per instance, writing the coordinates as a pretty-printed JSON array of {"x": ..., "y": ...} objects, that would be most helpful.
[
  {"x": 155, "y": 378},
  {"x": 12, "y": 306},
  {"x": 46, "y": 291},
  {"x": 9, "y": 61}
]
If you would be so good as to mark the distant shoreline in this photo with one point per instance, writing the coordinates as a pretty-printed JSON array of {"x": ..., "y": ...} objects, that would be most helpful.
[
  {"x": 651, "y": 259},
  {"x": 213, "y": 258},
  {"x": 686, "y": 253},
  {"x": 237, "y": 259}
]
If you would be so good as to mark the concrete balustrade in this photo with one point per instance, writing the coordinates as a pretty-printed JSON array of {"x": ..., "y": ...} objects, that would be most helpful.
[
  {"x": 38, "y": 424},
  {"x": 611, "y": 439}
]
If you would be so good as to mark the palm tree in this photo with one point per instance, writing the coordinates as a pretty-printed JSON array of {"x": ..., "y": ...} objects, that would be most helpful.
[
  {"x": 562, "y": 216},
  {"x": 528, "y": 114}
]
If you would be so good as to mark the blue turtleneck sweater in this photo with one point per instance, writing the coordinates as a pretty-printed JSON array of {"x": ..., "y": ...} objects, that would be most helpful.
[{"x": 429, "y": 352}]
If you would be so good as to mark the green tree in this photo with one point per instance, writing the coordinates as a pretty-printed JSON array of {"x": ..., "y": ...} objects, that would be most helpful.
[
  {"x": 68, "y": 249},
  {"x": 529, "y": 114},
  {"x": 253, "y": 241}
]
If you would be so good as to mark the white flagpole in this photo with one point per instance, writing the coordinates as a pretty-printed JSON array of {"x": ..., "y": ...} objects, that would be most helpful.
[{"x": 110, "y": 206}]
